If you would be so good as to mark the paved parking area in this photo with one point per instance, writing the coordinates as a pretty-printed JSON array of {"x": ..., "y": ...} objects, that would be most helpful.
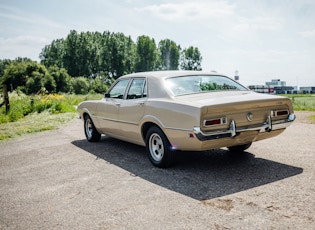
[{"x": 57, "y": 180}]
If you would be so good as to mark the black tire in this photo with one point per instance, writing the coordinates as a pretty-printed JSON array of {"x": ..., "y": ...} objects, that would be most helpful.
[
  {"x": 159, "y": 149},
  {"x": 239, "y": 148},
  {"x": 90, "y": 131}
]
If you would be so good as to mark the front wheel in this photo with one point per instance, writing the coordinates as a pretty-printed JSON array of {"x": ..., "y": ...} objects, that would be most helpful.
[
  {"x": 239, "y": 148},
  {"x": 159, "y": 148},
  {"x": 90, "y": 131}
]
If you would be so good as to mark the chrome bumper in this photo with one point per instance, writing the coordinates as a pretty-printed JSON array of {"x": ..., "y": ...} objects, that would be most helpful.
[{"x": 233, "y": 131}]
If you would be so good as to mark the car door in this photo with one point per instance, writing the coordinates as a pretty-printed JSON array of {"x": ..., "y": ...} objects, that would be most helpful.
[
  {"x": 132, "y": 109},
  {"x": 108, "y": 109}
]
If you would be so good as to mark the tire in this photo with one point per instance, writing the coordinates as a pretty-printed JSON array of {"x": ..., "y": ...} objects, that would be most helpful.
[
  {"x": 239, "y": 148},
  {"x": 159, "y": 148},
  {"x": 92, "y": 135}
]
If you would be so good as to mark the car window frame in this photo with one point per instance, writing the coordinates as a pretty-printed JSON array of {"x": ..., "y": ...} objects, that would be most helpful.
[
  {"x": 144, "y": 89},
  {"x": 107, "y": 95}
]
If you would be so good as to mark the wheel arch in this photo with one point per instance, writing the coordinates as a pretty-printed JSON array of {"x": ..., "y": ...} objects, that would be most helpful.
[{"x": 145, "y": 128}]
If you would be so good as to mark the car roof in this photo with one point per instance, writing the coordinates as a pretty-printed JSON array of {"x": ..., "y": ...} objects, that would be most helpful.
[{"x": 168, "y": 73}]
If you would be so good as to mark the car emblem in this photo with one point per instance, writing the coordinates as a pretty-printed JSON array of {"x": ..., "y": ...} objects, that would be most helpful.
[{"x": 249, "y": 116}]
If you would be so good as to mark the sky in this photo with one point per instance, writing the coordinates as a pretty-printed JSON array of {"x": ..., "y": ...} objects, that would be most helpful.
[{"x": 261, "y": 39}]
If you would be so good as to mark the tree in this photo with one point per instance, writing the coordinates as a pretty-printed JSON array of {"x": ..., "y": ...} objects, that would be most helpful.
[
  {"x": 191, "y": 59},
  {"x": 29, "y": 76},
  {"x": 53, "y": 54},
  {"x": 121, "y": 55},
  {"x": 169, "y": 54},
  {"x": 70, "y": 57},
  {"x": 61, "y": 78},
  {"x": 146, "y": 54}
]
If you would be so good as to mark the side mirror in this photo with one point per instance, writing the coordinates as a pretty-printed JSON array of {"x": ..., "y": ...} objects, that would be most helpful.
[{"x": 107, "y": 95}]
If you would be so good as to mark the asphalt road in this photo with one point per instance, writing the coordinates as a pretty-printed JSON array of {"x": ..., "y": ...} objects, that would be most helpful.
[{"x": 57, "y": 180}]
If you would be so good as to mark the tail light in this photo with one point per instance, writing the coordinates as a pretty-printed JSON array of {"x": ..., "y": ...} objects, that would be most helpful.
[
  {"x": 276, "y": 113},
  {"x": 215, "y": 121}
]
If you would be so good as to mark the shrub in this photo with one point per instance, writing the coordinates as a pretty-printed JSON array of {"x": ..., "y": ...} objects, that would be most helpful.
[{"x": 79, "y": 85}]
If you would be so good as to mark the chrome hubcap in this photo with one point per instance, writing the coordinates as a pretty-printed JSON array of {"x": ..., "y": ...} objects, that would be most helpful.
[
  {"x": 156, "y": 147},
  {"x": 88, "y": 127}
]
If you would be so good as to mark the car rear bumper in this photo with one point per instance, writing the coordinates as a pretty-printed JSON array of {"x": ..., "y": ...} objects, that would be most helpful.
[{"x": 234, "y": 131}]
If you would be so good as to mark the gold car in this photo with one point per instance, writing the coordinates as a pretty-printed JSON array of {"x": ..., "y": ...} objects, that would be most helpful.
[{"x": 184, "y": 110}]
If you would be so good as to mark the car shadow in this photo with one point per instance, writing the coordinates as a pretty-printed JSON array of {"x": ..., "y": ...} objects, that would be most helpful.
[{"x": 199, "y": 175}]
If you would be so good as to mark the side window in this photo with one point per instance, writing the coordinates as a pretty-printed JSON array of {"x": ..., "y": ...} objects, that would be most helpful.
[
  {"x": 119, "y": 89},
  {"x": 137, "y": 89}
]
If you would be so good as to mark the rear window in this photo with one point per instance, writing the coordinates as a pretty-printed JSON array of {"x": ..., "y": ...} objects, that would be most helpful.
[{"x": 200, "y": 84}]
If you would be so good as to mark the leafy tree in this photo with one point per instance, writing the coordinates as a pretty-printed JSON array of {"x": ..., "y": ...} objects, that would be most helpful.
[
  {"x": 70, "y": 57},
  {"x": 146, "y": 54},
  {"x": 191, "y": 59},
  {"x": 121, "y": 55},
  {"x": 3, "y": 64},
  {"x": 61, "y": 77},
  {"x": 169, "y": 54},
  {"x": 29, "y": 76},
  {"x": 34, "y": 83},
  {"x": 49, "y": 83},
  {"x": 53, "y": 54}
]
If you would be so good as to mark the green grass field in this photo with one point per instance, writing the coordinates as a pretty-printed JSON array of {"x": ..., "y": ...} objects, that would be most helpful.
[
  {"x": 30, "y": 114},
  {"x": 302, "y": 102}
]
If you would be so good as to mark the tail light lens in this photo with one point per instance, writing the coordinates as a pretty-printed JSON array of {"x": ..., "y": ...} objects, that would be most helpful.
[
  {"x": 277, "y": 113},
  {"x": 216, "y": 121}
]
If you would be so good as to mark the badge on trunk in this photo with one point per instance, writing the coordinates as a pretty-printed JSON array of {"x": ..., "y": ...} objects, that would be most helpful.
[{"x": 249, "y": 116}]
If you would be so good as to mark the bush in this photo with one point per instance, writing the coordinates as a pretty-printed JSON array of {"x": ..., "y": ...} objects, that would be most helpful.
[{"x": 79, "y": 85}]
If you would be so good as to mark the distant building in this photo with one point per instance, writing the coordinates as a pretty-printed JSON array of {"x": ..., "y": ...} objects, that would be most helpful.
[
  {"x": 276, "y": 82},
  {"x": 262, "y": 89},
  {"x": 310, "y": 89},
  {"x": 280, "y": 86},
  {"x": 284, "y": 89},
  {"x": 276, "y": 86}
]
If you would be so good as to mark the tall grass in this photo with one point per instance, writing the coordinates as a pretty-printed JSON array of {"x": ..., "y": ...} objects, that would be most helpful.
[
  {"x": 30, "y": 114},
  {"x": 302, "y": 102},
  {"x": 22, "y": 105}
]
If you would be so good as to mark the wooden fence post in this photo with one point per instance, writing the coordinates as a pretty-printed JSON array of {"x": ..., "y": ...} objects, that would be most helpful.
[{"x": 6, "y": 98}]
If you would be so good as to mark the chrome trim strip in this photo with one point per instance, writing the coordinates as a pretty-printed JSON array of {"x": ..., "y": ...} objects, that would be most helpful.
[{"x": 233, "y": 131}]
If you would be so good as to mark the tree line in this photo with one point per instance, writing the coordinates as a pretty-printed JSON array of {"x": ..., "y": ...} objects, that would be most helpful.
[{"x": 84, "y": 61}]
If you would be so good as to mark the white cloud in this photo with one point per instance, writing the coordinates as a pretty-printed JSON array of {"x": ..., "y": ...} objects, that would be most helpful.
[
  {"x": 257, "y": 23},
  {"x": 308, "y": 34},
  {"x": 22, "y": 46},
  {"x": 189, "y": 11}
]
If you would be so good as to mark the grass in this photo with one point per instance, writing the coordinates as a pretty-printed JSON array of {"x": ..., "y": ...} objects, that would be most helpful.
[
  {"x": 31, "y": 114},
  {"x": 35, "y": 122},
  {"x": 302, "y": 102}
]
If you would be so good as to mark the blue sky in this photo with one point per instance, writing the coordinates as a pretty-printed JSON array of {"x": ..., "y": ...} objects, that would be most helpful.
[{"x": 262, "y": 39}]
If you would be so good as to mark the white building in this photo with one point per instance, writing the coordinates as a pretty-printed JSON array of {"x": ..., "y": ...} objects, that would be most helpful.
[{"x": 276, "y": 82}]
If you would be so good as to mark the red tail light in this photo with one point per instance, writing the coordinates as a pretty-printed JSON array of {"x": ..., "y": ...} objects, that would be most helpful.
[
  {"x": 216, "y": 121},
  {"x": 277, "y": 113}
]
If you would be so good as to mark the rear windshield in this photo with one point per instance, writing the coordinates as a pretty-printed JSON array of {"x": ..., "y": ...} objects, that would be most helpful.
[{"x": 198, "y": 84}]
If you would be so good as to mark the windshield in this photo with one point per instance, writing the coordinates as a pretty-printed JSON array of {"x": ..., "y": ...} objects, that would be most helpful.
[{"x": 203, "y": 83}]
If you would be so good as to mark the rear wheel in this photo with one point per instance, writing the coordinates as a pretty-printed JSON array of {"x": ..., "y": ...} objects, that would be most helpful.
[
  {"x": 239, "y": 148},
  {"x": 90, "y": 131},
  {"x": 159, "y": 148}
]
